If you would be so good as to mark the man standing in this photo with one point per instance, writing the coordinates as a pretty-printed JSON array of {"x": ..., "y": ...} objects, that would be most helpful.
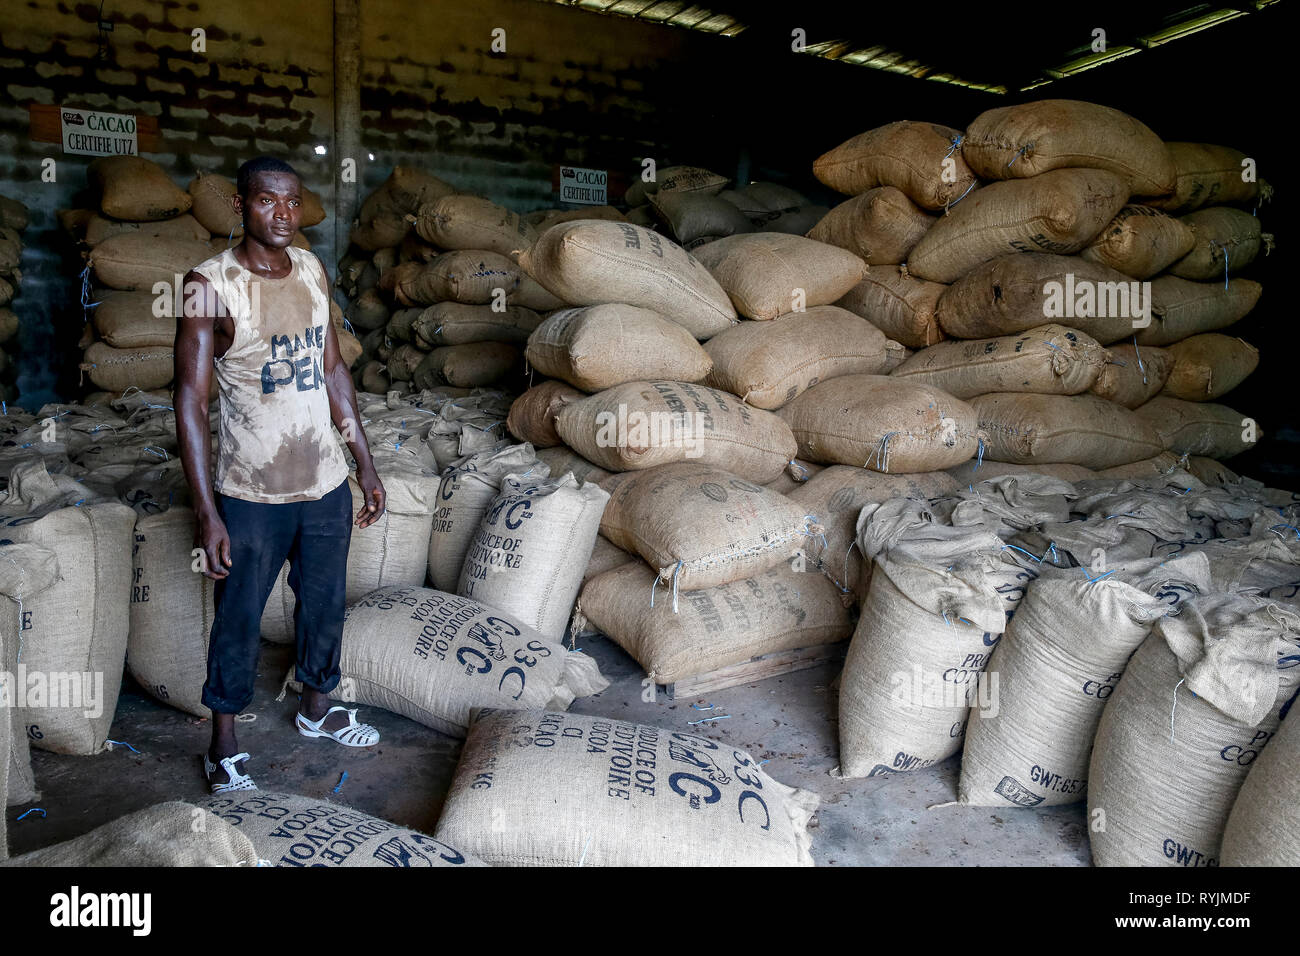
[{"x": 258, "y": 314}]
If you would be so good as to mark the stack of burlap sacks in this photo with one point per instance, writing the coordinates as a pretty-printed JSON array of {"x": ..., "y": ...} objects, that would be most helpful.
[
  {"x": 1062, "y": 271},
  {"x": 1129, "y": 642},
  {"x": 693, "y": 206},
  {"x": 434, "y": 288},
  {"x": 13, "y": 220},
  {"x": 145, "y": 236}
]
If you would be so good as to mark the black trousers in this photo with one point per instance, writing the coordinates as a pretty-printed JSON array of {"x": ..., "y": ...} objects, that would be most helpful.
[{"x": 314, "y": 537}]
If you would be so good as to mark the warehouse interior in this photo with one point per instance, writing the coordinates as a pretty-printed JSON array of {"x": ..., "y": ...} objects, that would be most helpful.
[{"x": 500, "y": 100}]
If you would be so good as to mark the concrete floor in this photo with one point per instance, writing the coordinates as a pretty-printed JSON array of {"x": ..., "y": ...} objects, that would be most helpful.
[{"x": 788, "y": 720}]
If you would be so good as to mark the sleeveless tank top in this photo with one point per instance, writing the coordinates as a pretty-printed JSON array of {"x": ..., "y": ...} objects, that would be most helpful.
[{"x": 276, "y": 442}]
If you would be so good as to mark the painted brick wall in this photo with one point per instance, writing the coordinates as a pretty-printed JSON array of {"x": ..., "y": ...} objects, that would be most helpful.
[
  {"x": 571, "y": 87},
  {"x": 260, "y": 86}
]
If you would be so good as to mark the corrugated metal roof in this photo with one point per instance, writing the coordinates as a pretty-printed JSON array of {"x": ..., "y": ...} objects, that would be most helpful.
[{"x": 971, "y": 47}]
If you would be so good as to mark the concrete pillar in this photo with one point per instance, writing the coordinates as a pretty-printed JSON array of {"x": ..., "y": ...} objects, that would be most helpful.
[{"x": 347, "y": 118}]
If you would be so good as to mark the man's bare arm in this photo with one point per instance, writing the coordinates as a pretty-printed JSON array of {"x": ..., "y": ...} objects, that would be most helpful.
[
  {"x": 195, "y": 345},
  {"x": 347, "y": 419}
]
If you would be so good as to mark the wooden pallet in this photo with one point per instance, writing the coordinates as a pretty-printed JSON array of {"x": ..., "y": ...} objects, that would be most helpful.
[{"x": 756, "y": 669}]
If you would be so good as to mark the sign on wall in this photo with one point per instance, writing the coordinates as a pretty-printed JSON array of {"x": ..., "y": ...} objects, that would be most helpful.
[
  {"x": 48, "y": 126},
  {"x": 95, "y": 133},
  {"x": 588, "y": 186}
]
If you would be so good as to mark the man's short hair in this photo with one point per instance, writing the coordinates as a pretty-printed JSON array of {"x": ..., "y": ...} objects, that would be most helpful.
[{"x": 250, "y": 170}]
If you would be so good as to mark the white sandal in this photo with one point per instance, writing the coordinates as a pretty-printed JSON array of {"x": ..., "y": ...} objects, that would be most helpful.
[
  {"x": 234, "y": 779},
  {"x": 353, "y": 735}
]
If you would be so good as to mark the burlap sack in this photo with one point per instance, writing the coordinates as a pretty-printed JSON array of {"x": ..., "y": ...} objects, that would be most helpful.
[
  {"x": 435, "y": 657},
  {"x": 464, "y": 495},
  {"x": 116, "y": 370},
  {"x": 907, "y": 155},
  {"x": 467, "y": 366},
  {"x": 795, "y": 474},
  {"x": 127, "y": 320},
  {"x": 930, "y": 619},
  {"x": 1132, "y": 376},
  {"x": 291, "y": 830},
  {"x": 900, "y": 305},
  {"x": 794, "y": 222},
  {"x": 13, "y": 214},
  {"x": 1050, "y": 359},
  {"x": 778, "y": 610},
  {"x": 575, "y": 345},
  {"x": 1076, "y": 429},
  {"x": 700, "y": 526},
  {"x": 171, "y": 611},
  {"x": 1199, "y": 428},
  {"x": 643, "y": 424},
  {"x": 1016, "y": 292},
  {"x": 96, "y": 229},
  {"x": 606, "y": 556},
  {"x": 382, "y": 230},
  {"x": 368, "y": 311},
  {"x": 394, "y": 550},
  {"x": 374, "y": 377},
  {"x": 408, "y": 188},
  {"x": 469, "y": 276},
  {"x": 544, "y": 219},
  {"x": 878, "y": 422},
  {"x": 77, "y": 632},
  {"x": 455, "y": 323},
  {"x": 1181, "y": 309},
  {"x": 26, "y": 570},
  {"x": 470, "y": 222},
  {"x": 454, "y": 422},
  {"x": 401, "y": 324},
  {"x": 313, "y": 210},
  {"x": 637, "y": 796},
  {"x": 589, "y": 262},
  {"x": 683, "y": 179},
  {"x": 1140, "y": 242},
  {"x": 695, "y": 218},
  {"x": 1059, "y": 660},
  {"x": 1210, "y": 365},
  {"x": 769, "y": 364},
  {"x": 137, "y": 261},
  {"x": 213, "y": 205},
  {"x": 1205, "y": 174},
  {"x": 349, "y": 344},
  {"x": 880, "y": 226},
  {"x": 134, "y": 188},
  {"x": 769, "y": 274},
  {"x": 1266, "y": 814},
  {"x": 532, "y": 416},
  {"x": 1059, "y": 211},
  {"x": 561, "y": 459},
  {"x": 1198, "y": 702},
  {"x": 167, "y": 834},
  {"x": 1225, "y": 240},
  {"x": 974, "y": 470},
  {"x": 1153, "y": 467},
  {"x": 836, "y": 496},
  {"x": 1027, "y": 140},
  {"x": 531, "y": 547},
  {"x": 403, "y": 361}
]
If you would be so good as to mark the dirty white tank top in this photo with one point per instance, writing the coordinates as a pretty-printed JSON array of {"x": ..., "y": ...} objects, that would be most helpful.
[{"x": 276, "y": 441}]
